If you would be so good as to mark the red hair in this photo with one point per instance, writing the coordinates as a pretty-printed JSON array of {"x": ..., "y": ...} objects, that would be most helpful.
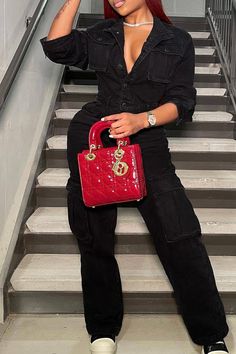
[{"x": 155, "y": 6}]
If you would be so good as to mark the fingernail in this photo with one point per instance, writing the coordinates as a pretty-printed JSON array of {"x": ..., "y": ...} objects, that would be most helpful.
[
  {"x": 102, "y": 118},
  {"x": 111, "y": 136}
]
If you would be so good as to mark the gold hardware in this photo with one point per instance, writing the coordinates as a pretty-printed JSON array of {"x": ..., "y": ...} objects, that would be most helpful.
[
  {"x": 91, "y": 156},
  {"x": 122, "y": 143},
  {"x": 119, "y": 168},
  {"x": 119, "y": 154}
]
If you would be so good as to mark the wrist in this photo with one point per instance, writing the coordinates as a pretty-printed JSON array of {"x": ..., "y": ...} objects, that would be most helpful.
[{"x": 144, "y": 117}]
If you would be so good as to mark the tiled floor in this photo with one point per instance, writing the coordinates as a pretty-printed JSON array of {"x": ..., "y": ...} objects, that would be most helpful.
[{"x": 66, "y": 334}]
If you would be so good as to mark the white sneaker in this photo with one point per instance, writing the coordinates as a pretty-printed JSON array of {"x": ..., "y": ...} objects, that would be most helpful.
[
  {"x": 103, "y": 346},
  {"x": 215, "y": 348}
]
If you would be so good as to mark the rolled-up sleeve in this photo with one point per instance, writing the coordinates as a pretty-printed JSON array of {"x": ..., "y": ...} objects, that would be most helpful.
[
  {"x": 180, "y": 90},
  {"x": 70, "y": 49}
]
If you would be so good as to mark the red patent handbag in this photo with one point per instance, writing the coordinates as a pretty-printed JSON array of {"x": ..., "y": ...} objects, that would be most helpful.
[{"x": 110, "y": 174}]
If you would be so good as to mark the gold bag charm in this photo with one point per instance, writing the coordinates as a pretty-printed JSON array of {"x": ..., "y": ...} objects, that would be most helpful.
[{"x": 120, "y": 168}]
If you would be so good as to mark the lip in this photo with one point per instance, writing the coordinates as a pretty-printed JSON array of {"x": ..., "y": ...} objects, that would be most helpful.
[{"x": 116, "y": 1}]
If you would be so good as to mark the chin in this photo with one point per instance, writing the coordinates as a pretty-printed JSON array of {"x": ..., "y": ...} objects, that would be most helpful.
[{"x": 122, "y": 11}]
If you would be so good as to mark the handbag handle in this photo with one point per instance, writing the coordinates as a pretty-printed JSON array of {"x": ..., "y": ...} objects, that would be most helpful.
[{"x": 95, "y": 131}]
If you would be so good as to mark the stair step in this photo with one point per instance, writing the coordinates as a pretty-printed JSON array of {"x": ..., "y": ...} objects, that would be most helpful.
[
  {"x": 48, "y": 231},
  {"x": 93, "y": 89},
  {"x": 202, "y": 144},
  {"x": 200, "y": 35},
  {"x": 205, "y": 76},
  {"x": 46, "y": 220},
  {"x": 198, "y": 116},
  {"x": 175, "y": 144},
  {"x": 87, "y": 19},
  {"x": 195, "y": 153},
  {"x": 204, "y": 102},
  {"x": 191, "y": 179},
  {"x": 214, "y": 116},
  {"x": 87, "y": 89},
  {"x": 51, "y": 283},
  {"x": 191, "y": 23},
  {"x": 204, "y": 59},
  {"x": 206, "y": 96},
  {"x": 139, "y": 273},
  {"x": 52, "y": 272},
  {"x": 207, "y": 70},
  {"x": 193, "y": 34},
  {"x": 205, "y": 50},
  {"x": 208, "y": 91},
  {"x": 66, "y": 113}
]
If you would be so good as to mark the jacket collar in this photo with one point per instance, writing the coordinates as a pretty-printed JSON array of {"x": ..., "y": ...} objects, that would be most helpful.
[{"x": 158, "y": 33}]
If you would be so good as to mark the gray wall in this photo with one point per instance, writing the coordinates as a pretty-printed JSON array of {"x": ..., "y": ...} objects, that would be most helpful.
[
  {"x": 188, "y": 8},
  {"x": 85, "y": 6},
  {"x": 12, "y": 26},
  {"x": 96, "y": 7},
  {"x": 13, "y": 15},
  {"x": 25, "y": 118}
]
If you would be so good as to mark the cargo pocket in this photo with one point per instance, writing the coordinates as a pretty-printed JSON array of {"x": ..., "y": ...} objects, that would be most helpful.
[
  {"x": 78, "y": 218},
  {"x": 177, "y": 215}
]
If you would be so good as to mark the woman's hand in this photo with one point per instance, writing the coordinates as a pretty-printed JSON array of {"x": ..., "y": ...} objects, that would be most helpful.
[{"x": 126, "y": 124}]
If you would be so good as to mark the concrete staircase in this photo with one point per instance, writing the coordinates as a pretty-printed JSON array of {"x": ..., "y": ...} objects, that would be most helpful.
[{"x": 47, "y": 279}]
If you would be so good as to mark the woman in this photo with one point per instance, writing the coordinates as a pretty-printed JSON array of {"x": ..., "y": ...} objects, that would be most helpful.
[{"x": 147, "y": 67}]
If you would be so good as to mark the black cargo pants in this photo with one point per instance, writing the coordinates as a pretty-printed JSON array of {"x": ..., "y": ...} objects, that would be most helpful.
[{"x": 176, "y": 232}]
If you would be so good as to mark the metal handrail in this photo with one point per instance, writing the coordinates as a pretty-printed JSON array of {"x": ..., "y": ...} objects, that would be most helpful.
[
  {"x": 221, "y": 15},
  {"x": 19, "y": 55}
]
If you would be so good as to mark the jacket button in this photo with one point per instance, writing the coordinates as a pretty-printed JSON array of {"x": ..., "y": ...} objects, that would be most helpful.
[
  {"x": 123, "y": 104},
  {"x": 120, "y": 66},
  {"x": 132, "y": 78},
  {"x": 99, "y": 39},
  {"x": 125, "y": 84}
]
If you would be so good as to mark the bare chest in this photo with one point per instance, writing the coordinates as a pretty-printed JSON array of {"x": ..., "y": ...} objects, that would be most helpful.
[{"x": 134, "y": 40}]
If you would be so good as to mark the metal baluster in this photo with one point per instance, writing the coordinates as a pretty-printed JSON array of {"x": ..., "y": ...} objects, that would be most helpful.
[{"x": 222, "y": 18}]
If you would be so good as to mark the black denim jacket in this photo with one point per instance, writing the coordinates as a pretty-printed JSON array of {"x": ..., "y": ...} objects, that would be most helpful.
[{"x": 163, "y": 72}]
